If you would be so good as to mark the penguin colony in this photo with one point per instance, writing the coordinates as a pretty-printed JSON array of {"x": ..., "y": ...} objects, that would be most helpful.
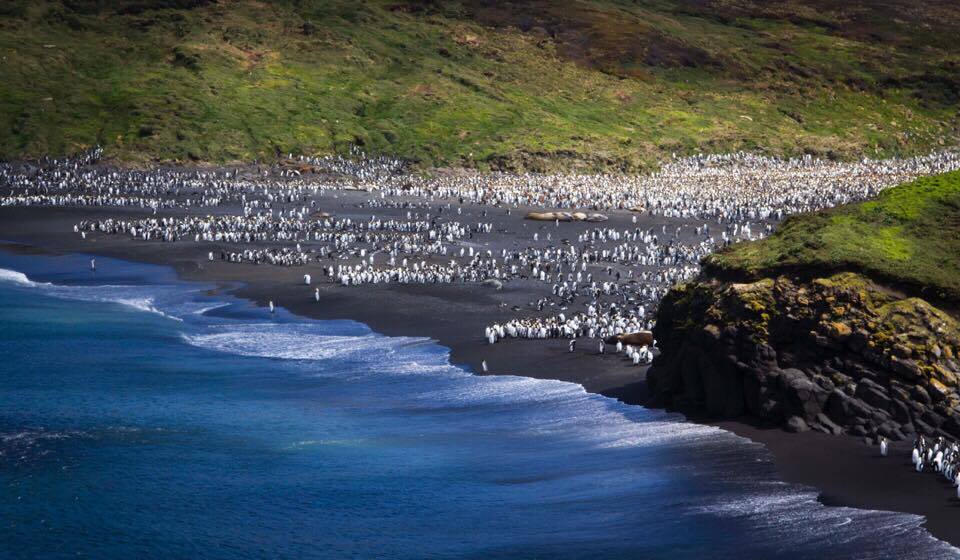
[{"x": 596, "y": 280}]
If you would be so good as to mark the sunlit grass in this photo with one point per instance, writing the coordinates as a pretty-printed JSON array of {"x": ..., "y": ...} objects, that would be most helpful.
[
  {"x": 243, "y": 80},
  {"x": 909, "y": 235}
]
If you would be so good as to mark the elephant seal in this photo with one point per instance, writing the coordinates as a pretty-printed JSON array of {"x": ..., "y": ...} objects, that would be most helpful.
[
  {"x": 639, "y": 338},
  {"x": 565, "y": 217}
]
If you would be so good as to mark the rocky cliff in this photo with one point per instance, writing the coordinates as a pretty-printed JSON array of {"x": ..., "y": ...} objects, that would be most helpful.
[{"x": 838, "y": 353}]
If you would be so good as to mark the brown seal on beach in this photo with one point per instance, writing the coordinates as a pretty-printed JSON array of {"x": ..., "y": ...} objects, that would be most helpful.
[{"x": 639, "y": 338}]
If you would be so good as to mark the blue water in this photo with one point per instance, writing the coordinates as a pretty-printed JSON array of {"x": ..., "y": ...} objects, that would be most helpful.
[{"x": 142, "y": 417}]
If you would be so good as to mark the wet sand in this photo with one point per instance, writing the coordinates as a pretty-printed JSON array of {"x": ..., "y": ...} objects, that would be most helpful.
[{"x": 843, "y": 469}]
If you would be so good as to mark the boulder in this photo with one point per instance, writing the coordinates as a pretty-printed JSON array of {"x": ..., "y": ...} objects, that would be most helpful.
[
  {"x": 830, "y": 427},
  {"x": 802, "y": 397},
  {"x": 796, "y": 424},
  {"x": 872, "y": 394}
]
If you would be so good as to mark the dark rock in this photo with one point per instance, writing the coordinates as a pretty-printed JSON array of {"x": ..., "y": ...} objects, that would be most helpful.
[
  {"x": 920, "y": 394},
  {"x": 712, "y": 332},
  {"x": 932, "y": 418},
  {"x": 832, "y": 428},
  {"x": 771, "y": 409},
  {"x": 767, "y": 353},
  {"x": 839, "y": 407},
  {"x": 901, "y": 350},
  {"x": 872, "y": 394},
  {"x": 890, "y": 431},
  {"x": 923, "y": 428},
  {"x": 802, "y": 397},
  {"x": 840, "y": 371},
  {"x": 821, "y": 340},
  {"x": 722, "y": 389},
  {"x": 796, "y": 424},
  {"x": 824, "y": 382},
  {"x": 900, "y": 411},
  {"x": 951, "y": 424},
  {"x": 907, "y": 369},
  {"x": 844, "y": 409},
  {"x": 858, "y": 340}
]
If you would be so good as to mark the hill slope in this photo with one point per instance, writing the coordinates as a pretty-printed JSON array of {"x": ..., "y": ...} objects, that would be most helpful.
[{"x": 598, "y": 84}]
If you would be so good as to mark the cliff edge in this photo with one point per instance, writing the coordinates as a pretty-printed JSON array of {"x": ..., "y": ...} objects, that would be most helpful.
[{"x": 844, "y": 321}]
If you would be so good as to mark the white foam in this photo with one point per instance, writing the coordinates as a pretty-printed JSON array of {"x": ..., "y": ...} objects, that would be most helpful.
[
  {"x": 779, "y": 509},
  {"x": 781, "y": 514},
  {"x": 295, "y": 341},
  {"x": 145, "y": 304},
  {"x": 19, "y": 278},
  {"x": 206, "y": 309}
]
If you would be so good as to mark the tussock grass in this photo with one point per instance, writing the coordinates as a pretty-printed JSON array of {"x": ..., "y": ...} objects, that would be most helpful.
[
  {"x": 909, "y": 235},
  {"x": 598, "y": 85}
]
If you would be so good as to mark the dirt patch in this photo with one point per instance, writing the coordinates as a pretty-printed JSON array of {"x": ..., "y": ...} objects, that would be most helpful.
[
  {"x": 616, "y": 42},
  {"x": 422, "y": 90},
  {"x": 896, "y": 23}
]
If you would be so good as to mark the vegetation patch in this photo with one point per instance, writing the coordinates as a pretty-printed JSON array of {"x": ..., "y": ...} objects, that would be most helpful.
[
  {"x": 908, "y": 236},
  {"x": 590, "y": 85}
]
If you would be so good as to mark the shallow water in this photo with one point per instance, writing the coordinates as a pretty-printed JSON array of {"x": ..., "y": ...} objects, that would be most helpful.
[{"x": 141, "y": 417}]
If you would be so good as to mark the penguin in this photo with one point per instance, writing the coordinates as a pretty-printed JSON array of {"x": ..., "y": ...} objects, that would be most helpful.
[
  {"x": 93, "y": 264},
  {"x": 883, "y": 446},
  {"x": 316, "y": 295},
  {"x": 306, "y": 279},
  {"x": 271, "y": 306},
  {"x": 483, "y": 365}
]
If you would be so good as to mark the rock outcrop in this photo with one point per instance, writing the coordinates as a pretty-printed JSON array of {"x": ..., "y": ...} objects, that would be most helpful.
[{"x": 839, "y": 354}]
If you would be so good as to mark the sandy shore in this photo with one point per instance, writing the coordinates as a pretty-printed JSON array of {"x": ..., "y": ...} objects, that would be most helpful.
[{"x": 844, "y": 469}]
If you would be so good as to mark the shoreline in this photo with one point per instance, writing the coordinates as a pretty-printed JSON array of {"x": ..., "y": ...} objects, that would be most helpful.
[{"x": 842, "y": 469}]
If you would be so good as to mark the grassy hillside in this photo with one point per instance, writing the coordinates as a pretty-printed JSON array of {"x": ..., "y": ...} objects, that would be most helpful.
[
  {"x": 610, "y": 84},
  {"x": 910, "y": 235}
]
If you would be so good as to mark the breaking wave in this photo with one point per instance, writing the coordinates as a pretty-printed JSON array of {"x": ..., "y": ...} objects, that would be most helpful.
[{"x": 566, "y": 445}]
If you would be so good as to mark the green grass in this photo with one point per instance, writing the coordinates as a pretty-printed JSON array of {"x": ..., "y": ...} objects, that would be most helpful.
[
  {"x": 601, "y": 84},
  {"x": 909, "y": 235}
]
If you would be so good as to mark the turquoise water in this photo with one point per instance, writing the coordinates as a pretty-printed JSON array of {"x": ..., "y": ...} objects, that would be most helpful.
[{"x": 142, "y": 418}]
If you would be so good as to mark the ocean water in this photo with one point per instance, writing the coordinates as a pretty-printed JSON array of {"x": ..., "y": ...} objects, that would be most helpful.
[{"x": 143, "y": 417}]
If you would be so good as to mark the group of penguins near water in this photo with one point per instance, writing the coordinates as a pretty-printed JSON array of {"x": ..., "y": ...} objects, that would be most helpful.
[
  {"x": 598, "y": 282},
  {"x": 939, "y": 454},
  {"x": 601, "y": 329}
]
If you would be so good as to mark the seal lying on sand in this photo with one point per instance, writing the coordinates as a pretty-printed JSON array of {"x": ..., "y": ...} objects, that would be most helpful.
[
  {"x": 639, "y": 338},
  {"x": 565, "y": 217}
]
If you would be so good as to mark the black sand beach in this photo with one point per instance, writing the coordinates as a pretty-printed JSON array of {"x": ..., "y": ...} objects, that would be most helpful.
[{"x": 845, "y": 470}]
